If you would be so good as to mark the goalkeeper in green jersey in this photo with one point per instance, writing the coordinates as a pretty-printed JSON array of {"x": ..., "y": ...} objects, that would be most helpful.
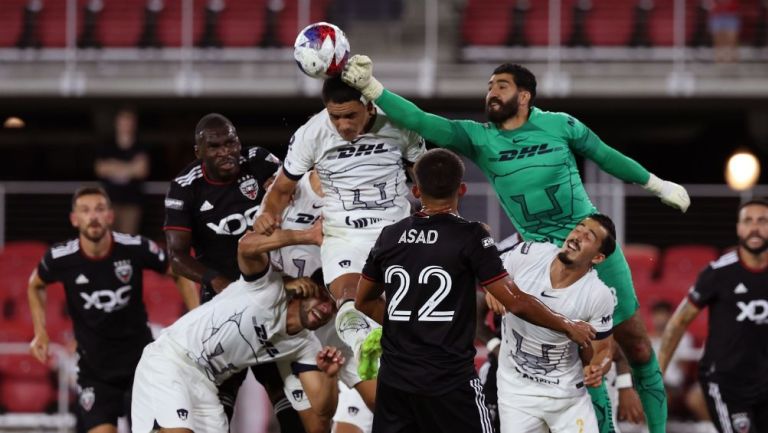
[{"x": 528, "y": 155}]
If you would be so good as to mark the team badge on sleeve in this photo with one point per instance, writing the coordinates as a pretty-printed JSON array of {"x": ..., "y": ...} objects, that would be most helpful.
[
  {"x": 487, "y": 242},
  {"x": 172, "y": 203}
]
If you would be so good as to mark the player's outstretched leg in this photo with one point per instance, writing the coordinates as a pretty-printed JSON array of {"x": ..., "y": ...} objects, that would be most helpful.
[
  {"x": 601, "y": 402},
  {"x": 633, "y": 339},
  {"x": 630, "y": 334}
]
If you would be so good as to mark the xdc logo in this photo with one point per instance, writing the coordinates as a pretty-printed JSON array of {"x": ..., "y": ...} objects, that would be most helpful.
[
  {"x": 756, "y": 311},
  {"x": 525, "y": 152}
]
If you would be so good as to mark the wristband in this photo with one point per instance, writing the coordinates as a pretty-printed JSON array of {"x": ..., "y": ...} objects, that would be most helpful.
[
  {"x": 209, "y": 275},
  {"x": 624, "y": 381},
  {"x": 492, "y": 344}
]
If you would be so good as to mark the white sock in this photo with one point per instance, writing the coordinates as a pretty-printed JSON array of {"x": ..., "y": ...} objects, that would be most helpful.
[{"x": 352, "y": 326}]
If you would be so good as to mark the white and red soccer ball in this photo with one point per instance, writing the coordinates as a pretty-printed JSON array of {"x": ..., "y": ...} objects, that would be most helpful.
[{"x": 321, "y": 50}]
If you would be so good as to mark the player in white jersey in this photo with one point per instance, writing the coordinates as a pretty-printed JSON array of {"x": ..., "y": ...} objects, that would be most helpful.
[
  {"x": 298, "y": 261},
  {"x": 251, "y": 322},
  {"x": 359, "y": 156},
  {"x": 542, "y": 374}
]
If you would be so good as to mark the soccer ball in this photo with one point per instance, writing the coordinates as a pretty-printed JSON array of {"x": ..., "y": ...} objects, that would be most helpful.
[{"x": 321, "y": 50}]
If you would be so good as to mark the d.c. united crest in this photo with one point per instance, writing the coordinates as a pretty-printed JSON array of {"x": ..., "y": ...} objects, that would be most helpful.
[
  {"x": 123, "y": 270},
  {"x": 249, "y": 187}
]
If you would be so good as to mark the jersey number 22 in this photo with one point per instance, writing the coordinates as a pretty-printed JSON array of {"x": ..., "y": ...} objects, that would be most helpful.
[{"x": 427, "y": 311}]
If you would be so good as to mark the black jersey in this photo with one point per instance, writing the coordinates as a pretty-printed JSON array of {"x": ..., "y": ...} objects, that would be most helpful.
[
  {"x": 431, "y": 266},
  {"x": 736, "y": 353},
  {"x": 219, "y": 213},
  {"x": 104, "y": 299}
]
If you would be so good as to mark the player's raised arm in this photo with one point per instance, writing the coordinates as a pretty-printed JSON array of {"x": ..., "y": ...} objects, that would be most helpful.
[
  {"x": 253, "y": 247},
  {"x": 674, "y": 331},
  {"x": 274, "y": 203},
  {"x": 358, "y": 73},
  {"x": 588, "y": 144},
  {"x": 532, "y": 310}
]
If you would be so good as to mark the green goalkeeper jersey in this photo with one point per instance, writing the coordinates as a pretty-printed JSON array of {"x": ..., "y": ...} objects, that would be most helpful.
[{"x": 532, "y": 168}]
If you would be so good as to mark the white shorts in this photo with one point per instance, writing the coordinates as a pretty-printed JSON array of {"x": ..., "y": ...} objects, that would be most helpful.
[
  {"x": 345, "y": 251},
  {"x": 174, "y": 394},
  {"x": 538, "y": 414},
  {"x": 353, "y": 410}
]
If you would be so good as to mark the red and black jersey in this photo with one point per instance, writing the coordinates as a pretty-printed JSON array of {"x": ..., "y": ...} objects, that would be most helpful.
[
  {"x": 104, "y": 299},
  {"x": 218, "y": 213},
  {"x": 430, "y": 267},
  {"x": 736, "y": 351}
]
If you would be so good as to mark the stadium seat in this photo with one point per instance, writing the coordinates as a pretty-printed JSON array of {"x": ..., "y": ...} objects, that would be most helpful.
[
  {"x": 486, "y": 22},
  {"x": 609, "y": 22},
  {"x": 120, "y": 23},
  {"x": 169, "y": 23},
  {"x": 23, "y": 366},
  {"x": 162, "y": 299},
  {"x": 241, "y": 23},
  {"x": 643, "y": 261},
  {"x": 17, "y": 260},
  {"x": 11, "y": 21},
  {"x": 26, "y": 395},
  {"x": 681, "y": 264}
]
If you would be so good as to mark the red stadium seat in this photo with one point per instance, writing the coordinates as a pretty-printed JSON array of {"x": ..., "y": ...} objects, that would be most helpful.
[
  {"x": 169, "y": 23},
  {"x": 643, "y": 261},
  {"x": 162, "y": 299},
  {"x": 26, "y": 395},
  {"x": 610, "y": 21},
  {"x": 241, "y": 23},
  {"x": 23, "y": 366},
  {"x": 17, "y": 260},
  {"x": 681, "y": 264},
  {"x": 120, "y": 23},
  {"x": 486, "y": 22},
  {"x": 11, "y": 21}
]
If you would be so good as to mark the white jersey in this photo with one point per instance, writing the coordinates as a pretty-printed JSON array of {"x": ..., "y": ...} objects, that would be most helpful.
[
  {"x": 305, "y": 208},
  {"x": 244, "y": 325},
  {"x": 538, "y": 361},
  {"x": 363, "y": 180}
]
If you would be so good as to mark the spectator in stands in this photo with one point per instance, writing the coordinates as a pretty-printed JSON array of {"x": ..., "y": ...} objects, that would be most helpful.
[
  {"x": 734, "y": 369},
  {"x": 122, "y": 166},
  {"x": 683, "y": 397},
  {"x": 29, "y": 37},
  {"x": 102, "y": 275},
  {"x": 725, "y": 23}
]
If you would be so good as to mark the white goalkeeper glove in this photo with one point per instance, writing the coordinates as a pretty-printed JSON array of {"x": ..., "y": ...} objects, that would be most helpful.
[
  {"x": 670, "y": 193},
  {"x": 358, "y": 73}
]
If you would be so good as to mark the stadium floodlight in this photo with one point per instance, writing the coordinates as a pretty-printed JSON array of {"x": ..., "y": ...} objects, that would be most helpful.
[{"x": 742, "y": 170}]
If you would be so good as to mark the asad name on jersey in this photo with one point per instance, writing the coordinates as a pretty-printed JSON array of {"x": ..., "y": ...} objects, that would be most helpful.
[
  {"x": 218, "y": 213},
  {"x": 538, "y": 361},
  {"x": 104, "y": 300},
  {"x": 363, "y": 180}
]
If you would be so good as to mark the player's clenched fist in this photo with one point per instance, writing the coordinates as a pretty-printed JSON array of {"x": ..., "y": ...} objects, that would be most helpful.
[
  {"x": 580, "y": 332},
  {"x": 330, "y": 360},
  {"x": 266, "y": 224}
]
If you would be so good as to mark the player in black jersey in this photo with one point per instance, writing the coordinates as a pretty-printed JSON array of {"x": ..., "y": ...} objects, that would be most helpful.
[
  {"x": 209, "y": 206},
  {"x": 428, "y": 265},
  {"x": 734, "y": 369},
  {"x": 102, "y": 275}
]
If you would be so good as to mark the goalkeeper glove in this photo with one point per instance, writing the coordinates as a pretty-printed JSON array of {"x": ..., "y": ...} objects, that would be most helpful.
[
  {"x": 670, "y": 193},
  {"x": 358, "y": 73}
]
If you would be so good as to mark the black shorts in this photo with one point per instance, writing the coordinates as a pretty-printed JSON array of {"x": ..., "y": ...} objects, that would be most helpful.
[
  {"x": 731, "y": 413},
  {"x": 461, "y": 410},
  {"x": 99, "y": 402}
]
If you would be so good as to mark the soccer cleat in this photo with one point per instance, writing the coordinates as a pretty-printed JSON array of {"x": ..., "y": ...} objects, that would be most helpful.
[{"x": 370, "y": 353}]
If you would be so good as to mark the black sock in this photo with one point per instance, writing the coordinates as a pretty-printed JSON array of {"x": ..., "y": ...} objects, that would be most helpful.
[{"x": 287, "y": 417}]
